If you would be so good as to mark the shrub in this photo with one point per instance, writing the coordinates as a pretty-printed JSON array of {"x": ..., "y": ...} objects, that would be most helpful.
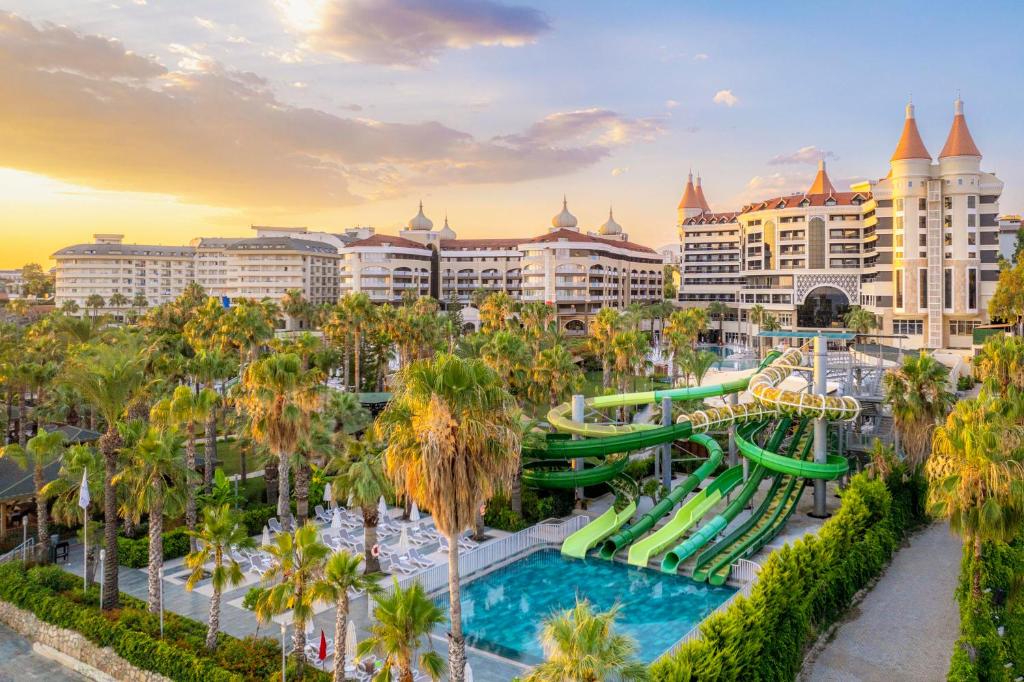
[
  {"x": 252, "y": 596},
  {"x": 135, "y": 553},
  {"x": 255, "y": 517},
  {"x": 965, "y": 382},
  {"x": 802, "y": 589}
]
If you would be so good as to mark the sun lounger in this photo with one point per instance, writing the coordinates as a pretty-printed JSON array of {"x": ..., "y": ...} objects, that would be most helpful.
[
  {"x": 322, "y": 515},
  {"x": 274, "y": 525}
]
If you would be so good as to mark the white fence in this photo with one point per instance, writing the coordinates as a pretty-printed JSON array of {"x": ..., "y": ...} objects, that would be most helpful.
[
  {"x": 493, "y": 553},
  {"x": 742, "y": 571}
]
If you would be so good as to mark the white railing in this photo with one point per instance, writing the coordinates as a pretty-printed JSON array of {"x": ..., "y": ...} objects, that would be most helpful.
[
  {"x": 493, "y": 553},
  {"x": 22, "y": 551}
]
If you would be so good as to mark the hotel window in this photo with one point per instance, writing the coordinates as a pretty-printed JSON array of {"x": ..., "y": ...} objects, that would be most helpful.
[
  {"x": 947, "y": 239},
  {"x": 922, "y": 288},
  {"x": 963, "y": 327},
  {"x": 921, "y": 204},
  {"x": 897, "y": 204},
  {"x": 899, "y": 290},
  {"x": 907, "y": 327},
  {"x": 972, "y": 238},
  {"x": 897, "y": 223},
  {"x": 947, "y": 288},
  {"x": 922, "y": 240},
  {"x": 972, "y": 219},
  {"x": 972, "y": 288},
  {"x": 947, "y": 203},
  {"x": 972, "y": 201}
]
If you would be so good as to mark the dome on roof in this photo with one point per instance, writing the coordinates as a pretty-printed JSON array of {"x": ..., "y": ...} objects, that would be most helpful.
[
  {"x": 446, "y": 232},
  {"x": 610, "y": 227},
  {"x": 564, "y": 220},
  {"x": 420, "y": 221}
]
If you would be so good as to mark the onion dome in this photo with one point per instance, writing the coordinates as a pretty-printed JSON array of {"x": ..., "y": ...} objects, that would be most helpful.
[
  {"x": 910, "y": 145},
  {"x": 690, "y": 198},
  {"x": 959, "y": 142},
  {"x": 446, "y": 232},
  {"x": 700, "y": 197},
  {"x": 610, "y": 227},
  {"x": 821, "y": 184},
  {"x": 564, "y": 220},
  {"x": 420, "y": 221}
]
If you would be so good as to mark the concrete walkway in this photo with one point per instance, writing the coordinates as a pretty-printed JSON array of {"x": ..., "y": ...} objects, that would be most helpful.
[
  {"x": 906, "y": 626},
  {"x": 18, "y": 663}
]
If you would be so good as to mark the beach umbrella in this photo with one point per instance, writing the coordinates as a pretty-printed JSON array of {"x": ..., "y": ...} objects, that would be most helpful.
[
  {"x": 414, "y": 515},
  {"x": 403, "y": 540},
  {"x": 328, "y": 495},
  {"x": 322, "y": 653},
  {"x": 351, "y": 501},
  {"x": 468, "y": 674},
  {"x": 266, "y": 536},
  {"x": 351, "y": 641},
  {"x": 336, "y": 520},
  {"x": 382, "y": 506}
]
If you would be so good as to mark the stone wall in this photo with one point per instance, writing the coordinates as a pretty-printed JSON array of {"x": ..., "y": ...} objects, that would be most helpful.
[{"x": 97, "y": 663}]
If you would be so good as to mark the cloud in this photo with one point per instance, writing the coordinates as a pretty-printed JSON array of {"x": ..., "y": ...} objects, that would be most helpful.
[
  {"x": 701, "y": 57},
  {"x": 725, "y": 97},
  {"x": 810, "y": 154},
  {"x": 761, "y": 187},
  {"x": 92, "y": 113},
  {"x": 408, "y": 32},
  {"x": 208, "y": 24},
  {"x": 671, "y": 104},
  {"x": 616, "y": 172}
]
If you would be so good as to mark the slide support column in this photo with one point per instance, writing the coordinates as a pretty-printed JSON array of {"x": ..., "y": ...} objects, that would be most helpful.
[
  {"x": 578, "y": 414},
  {"x": 666, "y": 448},
  {"x": 733, "y": 399},
  {"x": 820, "y": 425}
]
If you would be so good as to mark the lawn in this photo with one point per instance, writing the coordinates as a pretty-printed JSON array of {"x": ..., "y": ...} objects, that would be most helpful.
[{"x": 229, "y": 459}]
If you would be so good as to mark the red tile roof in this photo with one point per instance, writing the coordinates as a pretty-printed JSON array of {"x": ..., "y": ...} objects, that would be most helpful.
[
  {"x": 388, "y": 240},
  {"x": 712, "y": 218},
  {"x": 573, "y": 236},
  {"x": 910, "y": 145},
  {"x": 959, "y": 142},
  {"x": 454, "y": 244},
  {"x": 690, "y": 198},
  {"x": 821, "y": 184},
  {"x": 794, "y": 200}
]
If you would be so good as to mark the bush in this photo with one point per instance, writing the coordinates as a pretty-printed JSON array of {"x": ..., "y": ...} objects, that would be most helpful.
[
  {"x": 802, "y": 589},
  {"x": 965, "y": 382},
  {"x": 253, "y": 596},
  {"x": 255, "y": 517},
  {"x": 135, "y": 553}
]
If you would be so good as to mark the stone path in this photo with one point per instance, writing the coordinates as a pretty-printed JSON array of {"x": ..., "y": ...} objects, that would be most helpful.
[
  {"x": 906, "y": 626},
  {"x": 18, "y": 662}
]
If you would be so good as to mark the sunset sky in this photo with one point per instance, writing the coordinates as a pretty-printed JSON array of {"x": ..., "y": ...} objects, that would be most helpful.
[{"x": 170, "y": 119}]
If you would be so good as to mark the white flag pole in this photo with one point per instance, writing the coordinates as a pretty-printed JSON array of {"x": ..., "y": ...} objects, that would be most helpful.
[{"x": 83, "y": 502}]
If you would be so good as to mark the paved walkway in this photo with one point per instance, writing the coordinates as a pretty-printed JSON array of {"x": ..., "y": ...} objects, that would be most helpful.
[
  {"x": 18, "y": 662},
  {"x": 906, "y": 626}
]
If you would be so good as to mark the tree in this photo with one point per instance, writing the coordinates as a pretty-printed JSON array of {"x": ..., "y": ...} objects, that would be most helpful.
[
  {"x": 69, "y": 307},
  {"x": 630, "y": 351},
  {"x": 40, "y": 451},
  {"x": 1000, "y": 362},
  {"x": 495, "y": 312},
  {"x": 298, "y": 561},
  {"x": 454, "y": 439},
  {"x": 403, "y": 619},
  {"x": 669, "y": 286},
  {"x": 295, "y": 306},
  {"x": 279, "y": 398},
  {"x": 139, "y": 302},
  {"x": 341, "y": 574},
  {"x": 719, "y": 310},
  {"x": 361, "y": 478},
  {"x": 360, "y": 311},
  {"x": 555, "y": 376},
  {"x": 919, "y": 397},
  {"x": 537, "y": 318},
  {"x": 156, "y": 480},
  {"x": 859, "y": 320},
  {"x": 221, "y": 529},
  {"x": 212, "y": 366},
  {"x": 108, "y": 377},
  {"x": 1007, "y": 303},
  {"x": 95, "y": 301},
  {"x": 976, "y": 475},
  {"x": 697, "y": 364},
  {"x": 118, "y": 300},
  {"x": 755, "y": 316},
  {"x": 582, "y": 646},
  {"x": 603, "y": 328},
  {"x": 35, "y": 282},
  {"x": 185, "y": 409},
  {"x": 508, "y": 355}
]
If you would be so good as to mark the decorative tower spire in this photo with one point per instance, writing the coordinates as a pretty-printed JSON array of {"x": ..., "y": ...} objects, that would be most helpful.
[
  {"x": 690, "y": 199},
  {"x": 959, "y": 141},
  {"x": 910, "y": 145},
  {"x": 821, "y": 184},
  {"x": 700, "y": 196}
]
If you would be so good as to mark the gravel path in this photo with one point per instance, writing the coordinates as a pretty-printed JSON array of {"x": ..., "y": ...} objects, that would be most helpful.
[{"x": 906, "y": 626}]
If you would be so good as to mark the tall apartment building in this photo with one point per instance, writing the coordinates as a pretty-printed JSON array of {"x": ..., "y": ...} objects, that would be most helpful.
[{"x": 919, "y": 247}]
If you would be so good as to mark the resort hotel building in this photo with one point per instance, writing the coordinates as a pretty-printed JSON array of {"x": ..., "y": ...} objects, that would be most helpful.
[
  {"x": 919, "y": 247},
  {"x": 578, "y": 272}
]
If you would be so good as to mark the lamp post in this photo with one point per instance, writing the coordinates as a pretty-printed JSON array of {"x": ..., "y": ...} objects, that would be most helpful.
[
  {"x": 24, "y": 537},
  {"x": 103, "y": 570},
  {"x": 160, "y": 577},
  {"x": 284, "y": 655}
]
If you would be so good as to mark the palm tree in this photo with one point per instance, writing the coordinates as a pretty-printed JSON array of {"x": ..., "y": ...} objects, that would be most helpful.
[
  {"x": 976, "y": 475},
  {"x": 139, "y": 302},
  {"x": 536, "y": 318},
  {"x": 220, "y": 530},
  {"x": 630, "y": 351},
  {"x": 95, "y": 301},
  {"x": 118, "y": 300},
  {"x": 279, "y": 399},
  {"x": 108, "y": 377},
  {"x": 341, "y": 574},
  {"x": 362, "y": 480},
  {"x": 698, "y": 363},
  {"x": 919, "y": 396},
  {"x": 719, "y": 310},
  {"x": 1000, "y": 362},
  {"x": 755, "y": 316},
  {"x": 582, "y": 646},
  {"x": 40, "y": 451},
  {"x": 603, "y": 328},
  {"x": 495, "y": 312},
  {"x": 454, "y": 439},
  {"x": 64, "y": 491},
  {"x": 403, "y": 619},
  {"x": 69, "y": 307},
  {"x": 508, "y": 355},
  {"x": 859, "y": 320},
  {"x": 555, "y": 376},
  {"x": 298, "y": 561},
  {"x": 186, "y": 408},
  {"x": 359, "y": 311},
  {"x": 211, "y": 366},
  {"x": 156, "y": 480},
  {"x": 295, "y": 306}
]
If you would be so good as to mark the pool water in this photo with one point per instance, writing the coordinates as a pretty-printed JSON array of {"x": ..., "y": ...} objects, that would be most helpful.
[
  {"x": 503, "y": 612},
  {"x": 728, "y": 363}
]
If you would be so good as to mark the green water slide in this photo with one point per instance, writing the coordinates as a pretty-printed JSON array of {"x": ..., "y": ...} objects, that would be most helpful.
[
  {"x": 577, "y": 544},
  {"x": 689, "y": 514},
  {"x": 707, "y": 532}
]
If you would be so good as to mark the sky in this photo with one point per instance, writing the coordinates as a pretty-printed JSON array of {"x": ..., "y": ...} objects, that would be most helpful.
[{"x": 169, "y": 119}]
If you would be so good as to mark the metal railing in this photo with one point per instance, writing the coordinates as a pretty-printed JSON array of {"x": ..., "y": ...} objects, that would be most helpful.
[
  {"x": 493, "y": 553},
  {"x": 21, "y": 552}
]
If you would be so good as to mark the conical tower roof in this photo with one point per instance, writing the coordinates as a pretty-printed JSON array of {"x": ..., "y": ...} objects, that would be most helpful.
[
  {"x": 821, "y": 184},
  {"x": 910, "y": 145},
  {"x": 690, "y": 198},
  {"x": 959, "y": 142},
  {"x": 700, "y": 196},
  {"x": 564, "y": 220}
]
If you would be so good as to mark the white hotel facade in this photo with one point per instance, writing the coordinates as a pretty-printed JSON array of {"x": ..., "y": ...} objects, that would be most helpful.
[
  {"x": 578, "y": 272},
  {"x": 919, "y": 247}
]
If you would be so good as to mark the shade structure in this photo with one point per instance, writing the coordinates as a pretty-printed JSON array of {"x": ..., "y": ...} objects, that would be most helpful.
[
  {"x": 382, "y": 506},
  {"x": 403, "y": 540},
  {"x": 351, "y": 501},
  {"x": 328, "y": 495},
  {"x": 336, "y": 520},
  {"x": 468, "y": 674},
  {"x": 266, "y": 536},
  {"x": 350, "y": 641},
  {"x": 414, "y": 515}
]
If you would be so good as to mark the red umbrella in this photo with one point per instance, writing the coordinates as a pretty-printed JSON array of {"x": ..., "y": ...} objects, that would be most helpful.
[{"x": 323, "y": 647}]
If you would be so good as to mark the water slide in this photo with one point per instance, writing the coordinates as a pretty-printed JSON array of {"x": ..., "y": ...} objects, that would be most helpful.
[{"x": 579, "y": 543}]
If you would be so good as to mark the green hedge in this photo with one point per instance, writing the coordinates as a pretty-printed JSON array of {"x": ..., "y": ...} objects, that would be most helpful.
[
  {"x": 56, "y": 597},
  {"x": 980, "y": 653},
  {"x": 802, "y": 589},
  {"x": 135, "y": 553}
]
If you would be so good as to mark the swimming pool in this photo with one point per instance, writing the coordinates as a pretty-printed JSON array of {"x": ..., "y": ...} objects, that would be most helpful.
[
  {"x": 503, "y": 611},
  {"x": 729, "y": 363}
]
